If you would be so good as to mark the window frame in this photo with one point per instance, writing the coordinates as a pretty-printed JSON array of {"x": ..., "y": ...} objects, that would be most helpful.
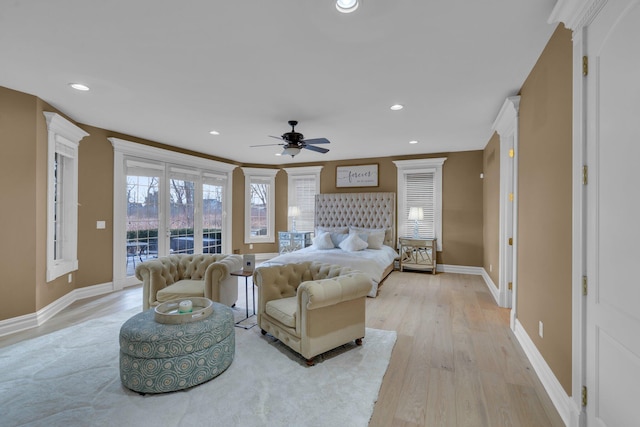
[
  {"x": 298, "y": 173},
  {"x": 406, "y": 167},
  {"x": 165, "y": 159},
  {"x": 63, "y": 138},
  {"x": 267, "y": 176}
]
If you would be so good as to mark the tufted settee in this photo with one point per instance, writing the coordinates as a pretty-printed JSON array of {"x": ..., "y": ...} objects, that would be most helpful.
[
  {"x": 312, "y": 307},
  {"x": 180, "y": 276}
]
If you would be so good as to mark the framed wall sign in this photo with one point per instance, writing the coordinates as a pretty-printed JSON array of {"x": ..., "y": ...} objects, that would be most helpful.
[{"x": 357, "y": 176}]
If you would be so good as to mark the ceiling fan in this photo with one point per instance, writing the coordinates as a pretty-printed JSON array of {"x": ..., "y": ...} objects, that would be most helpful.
[{"x": 294, "y": 142}]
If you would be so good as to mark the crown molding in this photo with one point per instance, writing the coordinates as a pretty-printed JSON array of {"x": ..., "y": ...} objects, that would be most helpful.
[
  {"x": 575, "y": 14},
  {"x": 504, "y": 123}
]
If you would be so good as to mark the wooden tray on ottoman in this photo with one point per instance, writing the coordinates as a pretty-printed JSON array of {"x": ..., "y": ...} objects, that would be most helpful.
[{"x": 168, "y": 313}]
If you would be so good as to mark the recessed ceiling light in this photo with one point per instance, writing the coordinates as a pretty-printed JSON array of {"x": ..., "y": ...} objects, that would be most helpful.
[
  {"x": 214, "y": 132},
  {"x": 79, "y": 86},
  {"x": 347, "y": 6},
  {"x": 396, "y": 107},
  {"x": 413, "y": 142}
]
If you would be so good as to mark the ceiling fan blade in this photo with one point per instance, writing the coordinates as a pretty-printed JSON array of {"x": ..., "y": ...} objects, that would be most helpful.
[
  {"x": 264, "y": 145},
  {"x": 316, "y": 141},
  {"x": 276, "y": 137},
  {"x": 314, "y": 148}
]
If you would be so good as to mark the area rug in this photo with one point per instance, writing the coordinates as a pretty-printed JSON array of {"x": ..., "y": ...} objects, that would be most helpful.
[{"x": 71, "y": 378}]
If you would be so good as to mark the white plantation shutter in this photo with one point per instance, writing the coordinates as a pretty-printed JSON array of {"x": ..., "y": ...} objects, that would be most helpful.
[
  {"x": 303, "y": 196},
  {"x": 304, "y": 184},
  {"x": 420, "y": 192},
  {"x": 420, "y": 186}
]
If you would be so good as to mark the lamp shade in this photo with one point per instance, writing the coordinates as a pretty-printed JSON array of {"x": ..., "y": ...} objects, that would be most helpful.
[
  {"x": 290, "y": 151},
  {"x": 294, "y": 211},
  {"x": 416, "y": 214},
  {"x": 347, "y": 6}
]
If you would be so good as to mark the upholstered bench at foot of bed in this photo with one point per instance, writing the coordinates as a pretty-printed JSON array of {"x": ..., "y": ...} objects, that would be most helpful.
[{"x": 158, "y": 358}]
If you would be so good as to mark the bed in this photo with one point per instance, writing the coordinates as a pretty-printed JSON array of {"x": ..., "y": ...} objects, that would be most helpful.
[{"x": 368, "y": 216}]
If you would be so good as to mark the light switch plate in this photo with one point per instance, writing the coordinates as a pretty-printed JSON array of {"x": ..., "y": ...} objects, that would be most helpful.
[{"x": 101, "y": 225}]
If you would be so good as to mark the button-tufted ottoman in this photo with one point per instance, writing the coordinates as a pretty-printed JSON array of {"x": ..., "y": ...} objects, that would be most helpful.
[{"x": 157, "y": 357}]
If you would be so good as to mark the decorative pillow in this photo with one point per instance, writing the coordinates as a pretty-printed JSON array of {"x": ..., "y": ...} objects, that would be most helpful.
[
  {"x": 373, "y": 236},
  {"x": 353, "y": 243},
  {"x": 323, "y": 241},
  {"x": 338, "y": 234}
]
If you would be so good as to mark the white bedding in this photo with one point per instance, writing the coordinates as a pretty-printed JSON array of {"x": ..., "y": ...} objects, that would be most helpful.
[{"x": 372, "y": 262}]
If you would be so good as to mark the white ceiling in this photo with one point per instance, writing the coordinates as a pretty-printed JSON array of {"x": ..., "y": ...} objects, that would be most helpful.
[{"x": 171, "y": 71}]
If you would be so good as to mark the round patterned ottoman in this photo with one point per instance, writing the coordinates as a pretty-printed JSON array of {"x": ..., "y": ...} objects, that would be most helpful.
[{"x": 157, "y": 357}]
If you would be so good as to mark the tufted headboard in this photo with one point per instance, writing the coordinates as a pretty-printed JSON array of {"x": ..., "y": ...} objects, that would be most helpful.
[{"x": 369, "y": 210}]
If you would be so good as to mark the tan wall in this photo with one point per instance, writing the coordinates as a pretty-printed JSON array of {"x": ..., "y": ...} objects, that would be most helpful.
[
  {"x": 17, "y": 203},
  {"x": 491, "y": 208},
  {"x": 95, "y": 199},
  {"x": 544, "y": 205}
]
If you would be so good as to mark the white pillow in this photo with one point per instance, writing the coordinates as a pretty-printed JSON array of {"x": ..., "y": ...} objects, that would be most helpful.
[
  {"x": 388, "y": 233},
  {"x": 374, "y": 236},
  {"x": 338, "y": 234},
  {"x": 323, "y": 241},
  {"x": 353, "y": 243}
]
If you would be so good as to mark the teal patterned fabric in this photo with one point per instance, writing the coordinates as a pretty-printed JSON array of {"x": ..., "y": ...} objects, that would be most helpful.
[{"x": 157, "y": 357}]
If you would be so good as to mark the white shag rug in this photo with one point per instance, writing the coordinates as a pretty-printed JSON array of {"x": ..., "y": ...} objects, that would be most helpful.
[{"x": 71, "y": 378}]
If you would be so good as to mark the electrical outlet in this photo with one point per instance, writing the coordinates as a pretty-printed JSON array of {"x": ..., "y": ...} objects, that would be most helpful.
[
  {"x": 541, "y": 329},
  {"x": 70, "y": 277},
  {"x": 250, "y": 245},
  {"x": 101, "y": 225},
  {"x": 490, "y": 268}
]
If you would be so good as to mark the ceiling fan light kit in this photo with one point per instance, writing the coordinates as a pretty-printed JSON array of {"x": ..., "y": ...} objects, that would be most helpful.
[
  {"x": 290, "y": 151},
  {"x": 347, "y": 6}
]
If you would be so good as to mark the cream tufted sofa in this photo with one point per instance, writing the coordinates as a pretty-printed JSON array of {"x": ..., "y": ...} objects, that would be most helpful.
[
  {"x": 312, "y": 307},
  {"x": 181, "y": 276}
]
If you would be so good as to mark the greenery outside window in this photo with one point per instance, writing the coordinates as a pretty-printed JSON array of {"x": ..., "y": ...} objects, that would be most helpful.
[
  {"x": 62, "y": 195},
  {"x": 259, "y": 205}
]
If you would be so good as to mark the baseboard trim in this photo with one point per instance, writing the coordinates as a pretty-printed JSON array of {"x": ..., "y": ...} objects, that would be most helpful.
[
  {"x": 493, "y": 289},
  {"x": 17, "y": 324},
  {"x": 459, "y": 269},
  {"x": 28, "y": 321},
  {"x": 561, "y": 400}
]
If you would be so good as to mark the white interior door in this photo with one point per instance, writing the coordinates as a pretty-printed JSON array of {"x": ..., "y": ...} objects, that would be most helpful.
[{"x": 613, "y": 200}]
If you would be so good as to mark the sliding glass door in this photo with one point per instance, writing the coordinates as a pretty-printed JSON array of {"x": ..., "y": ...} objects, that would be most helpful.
[
  {"x": 143, "y": 213},
  {"x": 182, "y": 237},
  {"x": 166, "y": 203},
  {"x": 213, "y": 190}
]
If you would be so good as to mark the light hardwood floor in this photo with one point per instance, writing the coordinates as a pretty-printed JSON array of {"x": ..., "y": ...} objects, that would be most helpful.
[{"x": 455, "y": 363}]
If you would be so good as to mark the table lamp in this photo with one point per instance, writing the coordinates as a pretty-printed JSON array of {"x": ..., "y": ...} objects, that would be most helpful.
[
  {"x": 294, "y": 212},
  {"x": 416, "y": 214}
]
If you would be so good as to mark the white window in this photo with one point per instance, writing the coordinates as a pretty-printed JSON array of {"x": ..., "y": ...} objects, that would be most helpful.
[
  {"x": 420, "y": 192},
  {"x": 304, "y": 184},
  {"x": 259, "y": 212},
  {"x": 62, "y": 195}
]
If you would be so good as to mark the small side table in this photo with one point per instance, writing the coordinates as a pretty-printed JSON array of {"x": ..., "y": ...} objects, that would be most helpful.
[
  {"x": 417, "y": 254},
  {"x": 246, "y": 275},
  {"x": 289, "y": 241}
]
